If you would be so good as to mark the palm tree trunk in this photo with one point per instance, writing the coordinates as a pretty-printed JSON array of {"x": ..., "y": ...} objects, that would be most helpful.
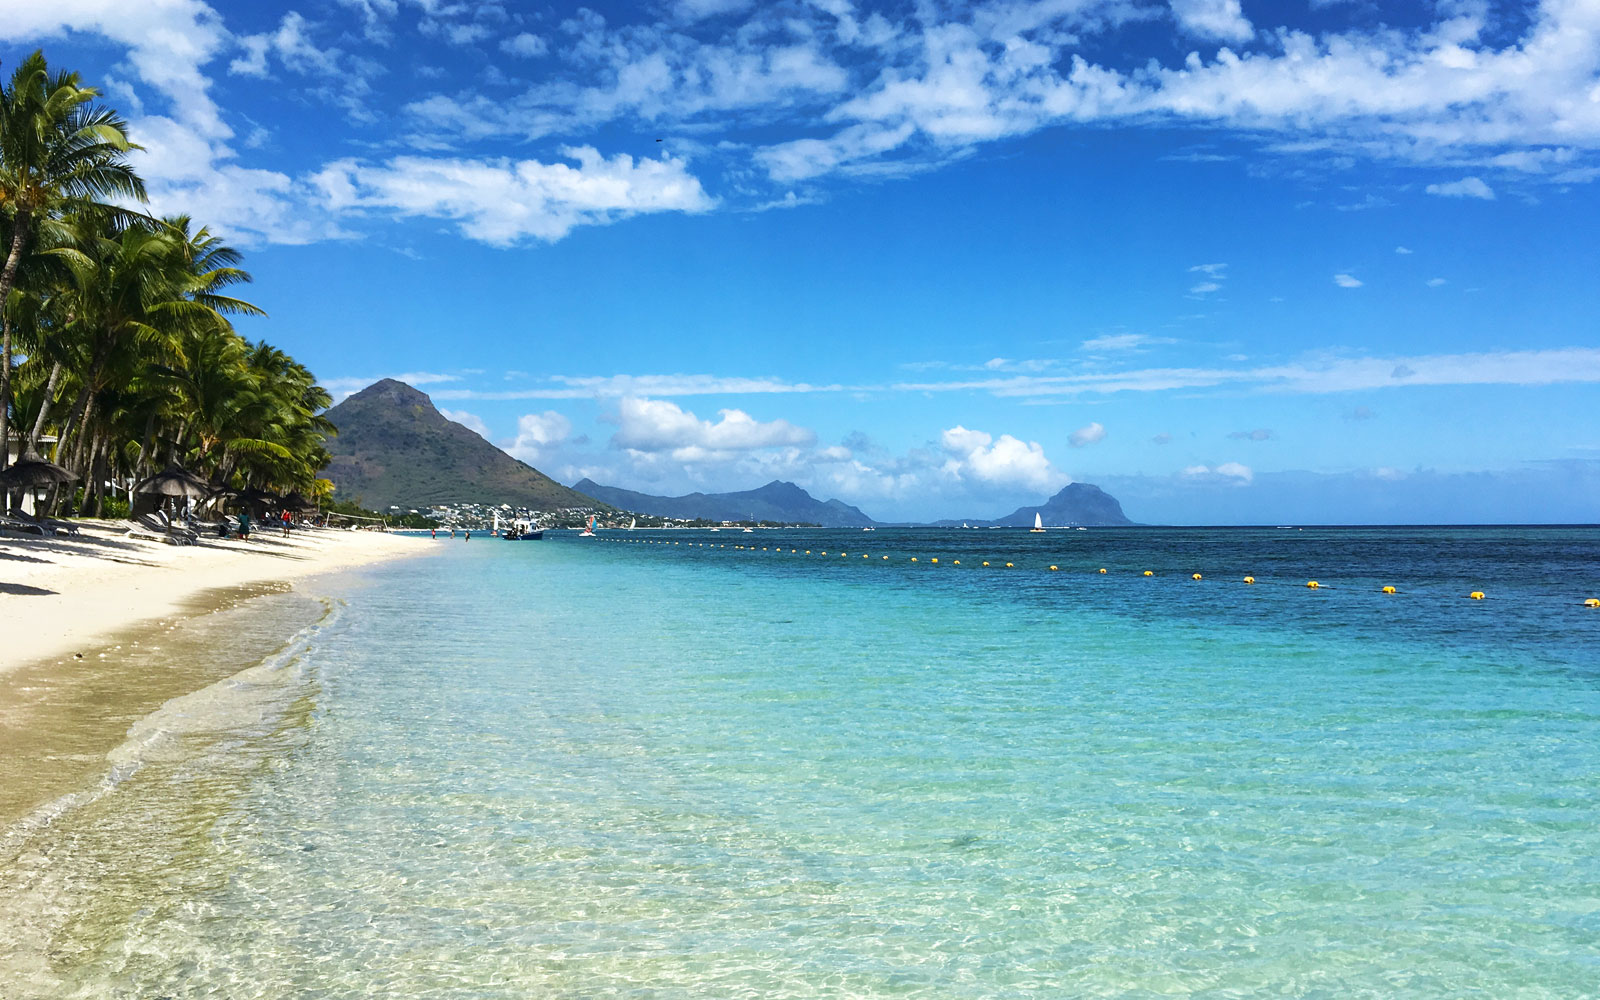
[
  {"x": 44, "y": 406},
  {"x": 75, "y": 416},
  {"x": 8, "y": 278},
  {"x": 5, "y": 393}
]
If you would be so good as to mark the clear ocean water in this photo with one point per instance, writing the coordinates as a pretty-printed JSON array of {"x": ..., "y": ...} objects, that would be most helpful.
[{"x": 641, "y": 766}]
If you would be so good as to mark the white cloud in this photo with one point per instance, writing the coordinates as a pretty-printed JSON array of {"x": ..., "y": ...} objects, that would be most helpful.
[
  {"x": 526, "y": 45},
  {"x": 1346, "y": 281},
  {"x": 617, "y": 386},
  {"x": 347, "y": 385},
  {"x": 1212, "y": 277},
  {"x": 1006, "y": 460},
  {"x": 537, "y": 434},
  {"x": 658, "y": 425},
  {"x": 1227, "y": 472},
  {"x": 1436, "y": 282},
  {"x": 1402, "y": 250},
  {"x": 291, "y": 44},
  {"x": 503, "y": 202},
  {"x": 1213, "y": 19},
  {"x": 1124, "y": 342},
  {"x": 1084, "y": 436},
  {"x": 471, "y": 421},
  {"x": 1537, "y": 367},
  {"x": 1466, "y": 187}
]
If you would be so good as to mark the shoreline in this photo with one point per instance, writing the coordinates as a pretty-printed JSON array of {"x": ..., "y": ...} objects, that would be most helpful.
[{"x": 68, "y": 594}]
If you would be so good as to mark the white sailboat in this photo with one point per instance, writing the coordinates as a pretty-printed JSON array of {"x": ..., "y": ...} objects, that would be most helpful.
[
  {"x": 1038, "y": 525},
  {"x": 633, "y": 522}
]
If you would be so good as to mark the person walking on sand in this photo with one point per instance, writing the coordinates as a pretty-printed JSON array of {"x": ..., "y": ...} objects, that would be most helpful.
[{"x": 244, "y": 526}]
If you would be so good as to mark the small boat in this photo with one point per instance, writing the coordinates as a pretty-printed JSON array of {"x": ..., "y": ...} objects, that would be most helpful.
[
  {"x": 633, "y": 523},
  {"x": 869, "y": 529},
  {"x": 523, "y": 531},
  {"x": 1038, "y": 525},
  {"x": 749, "y": 531},
  {"x": 588, "y": 532}
]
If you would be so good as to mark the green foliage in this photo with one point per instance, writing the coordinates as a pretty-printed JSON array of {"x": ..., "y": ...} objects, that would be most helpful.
[{"x": 131, "y": 360}]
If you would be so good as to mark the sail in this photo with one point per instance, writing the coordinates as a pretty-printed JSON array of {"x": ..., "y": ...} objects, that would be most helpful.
[
  {"x": 1038, "y": 522},
  {"x": 633, "y": 523}
]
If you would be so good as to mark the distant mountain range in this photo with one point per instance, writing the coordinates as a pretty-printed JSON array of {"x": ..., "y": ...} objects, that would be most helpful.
[
  {"x": 776, "y": 501},
  {"x": 394, "y": 447},
  {"x": 1077, "y": 504}
]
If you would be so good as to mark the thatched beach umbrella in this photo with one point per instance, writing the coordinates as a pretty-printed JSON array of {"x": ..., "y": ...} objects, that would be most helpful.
[
  {"x": 33, "y": 470},
  {"x": 173, "y": 481},
  {"x": 258, "y": 500},
  {"x": 294, "y": 501}
]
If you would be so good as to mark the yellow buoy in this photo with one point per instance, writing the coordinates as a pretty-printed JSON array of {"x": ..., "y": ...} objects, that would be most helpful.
[
  {"x": 824, "y": 553},
  {"x": 885, "y": 558},
  {"x": 913, "y": 558},
  {"x": 1593, "y": 602},
  {"x": 1312, "y": 584},
  {"x": 1054, "y": 568},
  {"x": 1148, "y": 573},
  {"x": 1102, "y": 569},
  {"x": 843, "y": 554},
  {"x": 1390, "y": 590},
  {"x": 956, "y": 562},
  {"x": 1195, "y": 576},
  {"x": 1476, "y": 595},
  {"x": 808, "y": 552},
  {"x": 863, "y": 555},
  {"x": 934, "y": 559},
  {"x": 1008, "y": 565},
  {"x": 986, "y": 562},
  {"x": 1249, "y": 579}
]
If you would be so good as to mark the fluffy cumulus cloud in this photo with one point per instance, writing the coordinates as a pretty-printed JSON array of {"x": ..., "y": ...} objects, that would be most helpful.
[
  {"x": 1222, "y": 19},
  {"x": 1084, "y": 436},
  {"x": 538, "y": 434},
  {"x": 659, "y": 425},
  {"x": 1006, "y": 460},
  {"x": 471, "y": 421},
  {"x": 502, "y": 202},
  {"x": 1347, "y": 281}
]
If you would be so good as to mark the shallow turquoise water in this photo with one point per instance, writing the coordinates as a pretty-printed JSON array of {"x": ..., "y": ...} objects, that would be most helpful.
[{"x": 612, "y": 768}]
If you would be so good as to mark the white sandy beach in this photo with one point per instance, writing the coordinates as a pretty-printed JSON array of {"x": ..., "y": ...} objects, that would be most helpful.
[{"x": 61, "y": 594}]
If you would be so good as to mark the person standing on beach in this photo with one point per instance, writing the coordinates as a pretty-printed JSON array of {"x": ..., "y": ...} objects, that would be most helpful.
[
  {"x": 244, "y": 525},
  {"x": 285, "y": 518},
  {"x": 435, "y": 534}
]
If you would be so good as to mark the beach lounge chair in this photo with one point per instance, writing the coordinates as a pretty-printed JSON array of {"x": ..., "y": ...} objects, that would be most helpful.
[
  {"x": 51, "y": 525},
  {"x": 9, "y": 523},
  {"x": 156, "y": 525}
]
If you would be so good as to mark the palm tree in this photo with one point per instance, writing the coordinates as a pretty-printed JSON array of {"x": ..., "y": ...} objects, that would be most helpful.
[{"x": 58, "y": 153}]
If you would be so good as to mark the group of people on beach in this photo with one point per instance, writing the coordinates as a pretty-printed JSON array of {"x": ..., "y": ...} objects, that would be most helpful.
[{"x": 284, "y": 517}]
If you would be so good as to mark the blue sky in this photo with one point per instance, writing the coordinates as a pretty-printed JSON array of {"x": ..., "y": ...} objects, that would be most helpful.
[{"x": 1238, "y": 263}]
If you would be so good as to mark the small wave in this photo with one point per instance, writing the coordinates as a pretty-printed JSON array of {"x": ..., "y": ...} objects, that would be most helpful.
[{"x": 250, "y": 701}]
